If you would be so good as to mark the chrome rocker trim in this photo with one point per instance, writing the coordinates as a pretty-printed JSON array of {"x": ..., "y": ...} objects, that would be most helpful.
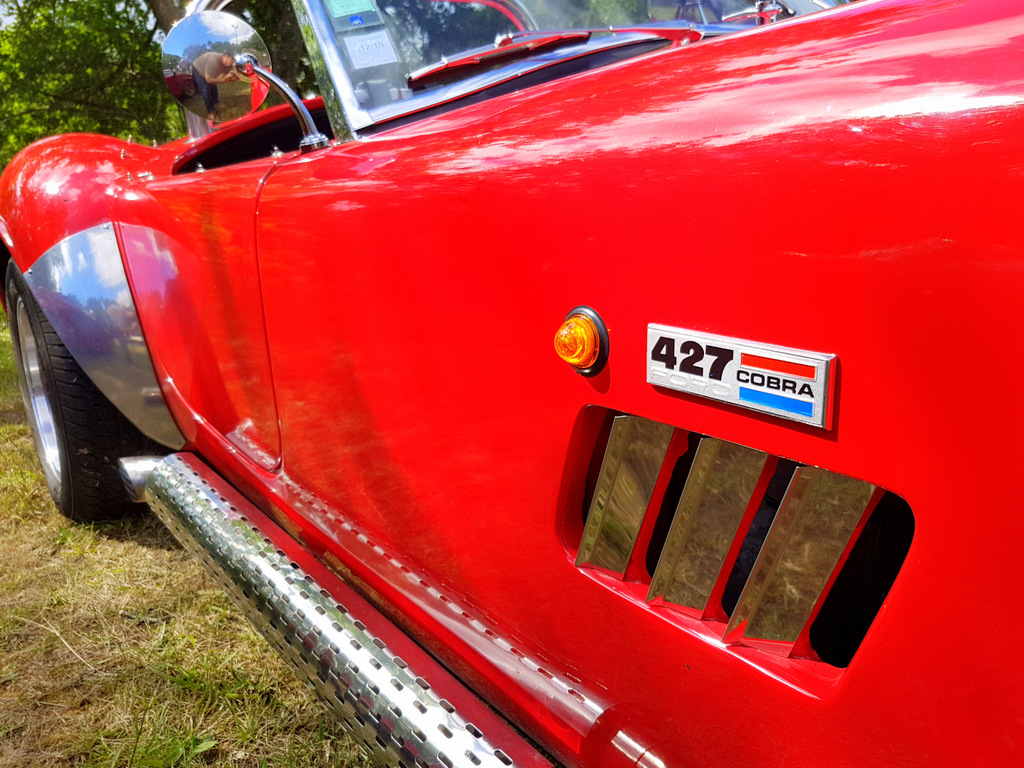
[
  {"x": 81, "y": 286},
  {"x": 405, "y": 710}
]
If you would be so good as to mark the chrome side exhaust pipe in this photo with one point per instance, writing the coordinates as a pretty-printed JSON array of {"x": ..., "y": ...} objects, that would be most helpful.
[
  {"x": 406, "y": 710},
  {"x": 135, "y": 473}
]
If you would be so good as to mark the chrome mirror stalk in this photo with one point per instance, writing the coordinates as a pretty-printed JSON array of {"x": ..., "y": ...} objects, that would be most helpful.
[{"x": 248, "y": 66}]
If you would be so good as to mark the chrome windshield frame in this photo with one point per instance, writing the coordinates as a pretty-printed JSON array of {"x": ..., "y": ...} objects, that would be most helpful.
[
  {"x": 343, "y": 110},
  {"x": 342, "y": 105}
]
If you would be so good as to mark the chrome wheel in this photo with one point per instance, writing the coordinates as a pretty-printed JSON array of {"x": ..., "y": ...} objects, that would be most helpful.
[
  {"x": 78, "y": 434},
  {"x": 37, "y": 404}
]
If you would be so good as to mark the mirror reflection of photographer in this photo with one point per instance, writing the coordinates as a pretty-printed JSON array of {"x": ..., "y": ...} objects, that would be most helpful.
[{"x": 208, "y": 70}]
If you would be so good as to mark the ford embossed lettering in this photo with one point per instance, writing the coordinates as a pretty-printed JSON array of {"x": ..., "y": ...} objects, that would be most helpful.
[{"x": 790, "y": 383}]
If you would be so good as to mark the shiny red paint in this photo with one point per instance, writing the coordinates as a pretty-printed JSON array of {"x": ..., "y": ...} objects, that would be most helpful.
[
  {"x": 820, "y": 185},
  {"x": 846, "y": 182},
  {"x": 61, "y": 186},
  {"x": 189, "y": 243}
]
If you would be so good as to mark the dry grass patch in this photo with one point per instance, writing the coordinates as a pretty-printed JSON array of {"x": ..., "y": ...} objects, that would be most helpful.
[{"x": 116, "y": 649}]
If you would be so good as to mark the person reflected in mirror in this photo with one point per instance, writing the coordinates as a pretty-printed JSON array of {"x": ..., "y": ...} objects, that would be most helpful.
[{"x": 208, "y": 70}]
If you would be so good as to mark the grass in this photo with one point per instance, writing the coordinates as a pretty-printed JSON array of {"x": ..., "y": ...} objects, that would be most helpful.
[{"x": 116, "y": 649}]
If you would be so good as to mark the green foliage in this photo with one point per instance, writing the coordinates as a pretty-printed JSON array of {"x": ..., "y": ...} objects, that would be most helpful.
[
  {"x": 80, "y": 65},
  {"x": 10, "y": 395},
  {"x": 603, "y": 13},
  {"x": 274, "y": 21}
]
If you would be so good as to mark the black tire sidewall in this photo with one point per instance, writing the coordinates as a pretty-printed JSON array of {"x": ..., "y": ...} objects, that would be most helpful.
[
  {"x": 92, "y": 435},
  {"x": 18, "y": 290}
]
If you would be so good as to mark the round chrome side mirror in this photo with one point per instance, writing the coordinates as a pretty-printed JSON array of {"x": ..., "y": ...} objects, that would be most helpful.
[{"x": 199, "y": 65}]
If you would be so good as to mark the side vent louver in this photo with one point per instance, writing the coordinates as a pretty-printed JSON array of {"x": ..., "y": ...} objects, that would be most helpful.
[
  {"x": 634, "y": 456},
  {"x": 771, "y": 549}
]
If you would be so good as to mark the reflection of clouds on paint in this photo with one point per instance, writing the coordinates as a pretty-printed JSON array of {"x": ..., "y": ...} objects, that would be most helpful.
[
  {"x": 155, "y": 244},
  {"x": 952, "y": 43},
  {"x": 63, "y": 175},
  {"x": 940, "y": 102},
  {"x": 153, "y": 253},
  {"x": 343, "y": 206}
]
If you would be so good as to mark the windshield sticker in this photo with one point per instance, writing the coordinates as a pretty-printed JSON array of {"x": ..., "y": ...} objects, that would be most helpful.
[
  {"x": 352, "y": 14},
  {"x": 371, "y": 50},
  {"x": 343, "y": 8},
  {"x": 790, "y": 383}
]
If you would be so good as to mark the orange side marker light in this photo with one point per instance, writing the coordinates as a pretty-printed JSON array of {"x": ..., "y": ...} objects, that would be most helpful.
[
  {"x": 578, "y": 341},
  {"x": 583, "y": 341}
]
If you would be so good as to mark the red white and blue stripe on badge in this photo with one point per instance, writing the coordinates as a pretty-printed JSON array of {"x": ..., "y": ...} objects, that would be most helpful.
[
  {"x": 778, "y": 401},
  {"x": 794, "y": 384}
]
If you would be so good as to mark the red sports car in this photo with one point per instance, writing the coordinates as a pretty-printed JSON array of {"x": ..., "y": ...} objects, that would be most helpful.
[{"x": 777, "y": 245}]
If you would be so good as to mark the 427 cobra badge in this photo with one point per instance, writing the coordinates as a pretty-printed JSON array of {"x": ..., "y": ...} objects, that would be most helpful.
[{"x": 789, "y": 383}]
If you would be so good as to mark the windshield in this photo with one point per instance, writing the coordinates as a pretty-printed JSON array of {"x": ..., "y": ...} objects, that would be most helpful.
[
  {"x": 419, "y": 32},
  {"x": 395, "y": 52}
]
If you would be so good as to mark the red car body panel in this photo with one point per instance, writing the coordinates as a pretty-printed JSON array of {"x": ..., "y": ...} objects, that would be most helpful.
[
  {"x": 190, "y": 245},
  {"x": 829, "y": 225},
  {"x": 60, "y": 186},
  {"x": 377, "y": 319}
]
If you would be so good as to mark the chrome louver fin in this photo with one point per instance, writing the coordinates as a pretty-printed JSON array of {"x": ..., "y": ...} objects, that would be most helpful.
[
  {"x": 636, "y": 452},
  {"x": 814, "y": 527},
  {"x": 713, "y": 506},
  {"x": 739, "y": 553}
]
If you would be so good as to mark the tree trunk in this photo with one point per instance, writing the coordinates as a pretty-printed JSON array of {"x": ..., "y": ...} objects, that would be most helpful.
[{"x": 167, "y": 11}]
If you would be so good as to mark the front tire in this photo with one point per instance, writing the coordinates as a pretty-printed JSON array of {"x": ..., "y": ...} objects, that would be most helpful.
[{"x": 79, "y": 435}]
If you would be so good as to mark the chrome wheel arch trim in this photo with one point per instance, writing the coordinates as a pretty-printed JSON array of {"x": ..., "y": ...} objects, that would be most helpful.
[{"x": 81, "y": 286}]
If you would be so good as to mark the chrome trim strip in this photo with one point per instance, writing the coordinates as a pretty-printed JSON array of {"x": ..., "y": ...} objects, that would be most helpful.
[
  {"x": 399, "y": 708},
  {"x": 629, "y": 471},
  {"x": 81, "y": 285},
  {"x": 715, "y": 499},
  {"x": 571, "y": 701},
  {"x": 811, "y": 531}
]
